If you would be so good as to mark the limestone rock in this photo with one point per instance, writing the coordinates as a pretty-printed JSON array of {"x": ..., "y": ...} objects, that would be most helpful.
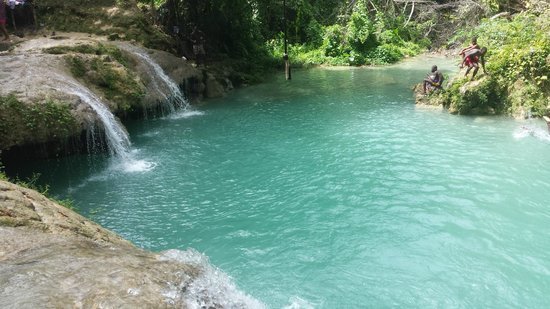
[
  {"x": 51, "y": 257},
  {"x": 213, "y": 88}
]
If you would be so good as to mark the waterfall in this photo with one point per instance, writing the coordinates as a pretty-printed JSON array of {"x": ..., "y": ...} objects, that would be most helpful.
[
  {"x": 176, "y": 100},
  {"x": 117, "y": 138}
]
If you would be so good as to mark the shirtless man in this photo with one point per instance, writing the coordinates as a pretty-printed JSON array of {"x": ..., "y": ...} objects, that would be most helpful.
[
  {"x": 473, "y": 45},
  {"x": 434, "y": 79}
]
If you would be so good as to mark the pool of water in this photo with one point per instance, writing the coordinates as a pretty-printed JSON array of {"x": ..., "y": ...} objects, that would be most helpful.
[{"x": 334, "y": 191}]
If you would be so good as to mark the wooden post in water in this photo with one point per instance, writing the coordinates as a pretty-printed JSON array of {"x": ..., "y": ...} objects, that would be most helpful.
[{"x": 288, "y": 74}]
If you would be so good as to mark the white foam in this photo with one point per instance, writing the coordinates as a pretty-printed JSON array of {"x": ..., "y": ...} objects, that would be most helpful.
[
  {"x": 186, "y": 114},
  {"x": 161, "y": 80},
  {"x": 136, "y": 166},
  {"x": 298, "y": 303},
  {"x": 528, "y": 130},
  {"x": 151, "y": 134},
  {"x": 211, "y": 289}
]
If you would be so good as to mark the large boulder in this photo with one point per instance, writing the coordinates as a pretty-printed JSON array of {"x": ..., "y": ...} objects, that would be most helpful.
[{"x": 51, "y": 257}]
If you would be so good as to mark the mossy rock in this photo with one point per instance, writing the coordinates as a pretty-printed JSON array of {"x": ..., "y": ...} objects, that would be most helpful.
[
  {"x": 23, "y": 123},
  {"x": 483, "y": 96},
  {"x": 524, "y": 100},
  {"x": 107, "y": 69},
  {"x": 432, "y": 98}
]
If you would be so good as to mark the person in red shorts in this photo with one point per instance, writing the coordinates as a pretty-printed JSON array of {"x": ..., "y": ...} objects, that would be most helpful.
[
  {"x": 473, "y": 45},
  {"x": 3, "y": 20},
  {"x": 472, "y": 59}
]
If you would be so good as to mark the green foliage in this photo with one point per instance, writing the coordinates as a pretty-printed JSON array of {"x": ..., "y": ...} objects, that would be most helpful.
[
  {"x": 97, "y": 49},
  {"x": 24, "y": 123},
  {"x": 485, "y": 96},
  {"x": 385, "y": 53},
  {"x": 3, "y": 175},
  {"x": 360, "y": 29},
  {"x": 334, "y": 41},
  {"x": 524, "y": 96},
  {"x": 314, "y": 33},
  {"x": 119, "y": 84},
  {"x": 77, "y": 66},
  {"x": 518, "y": 59},
  {"x": 33, "y": 183},
  {"x": 360, "y": 39}
]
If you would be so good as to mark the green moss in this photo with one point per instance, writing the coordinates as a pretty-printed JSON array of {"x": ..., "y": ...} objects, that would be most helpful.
[
  {"x": 525, "y": 97},
  {"x": 77, "y": 66},
  {"x": 118, "y": 84},
  {"x": 97, "y": 49},
  {"x": 107, "y": 68},
  {"x": 483, "y": 96},
  {"x": 33, "y": 184},
  {"x": 25, "y": 123},
  {"x": 518, "y": 62},
  {"x": 10, "y": 222}
]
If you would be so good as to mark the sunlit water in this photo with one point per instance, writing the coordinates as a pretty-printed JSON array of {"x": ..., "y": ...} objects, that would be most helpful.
[{"x": 333, "y": 191}]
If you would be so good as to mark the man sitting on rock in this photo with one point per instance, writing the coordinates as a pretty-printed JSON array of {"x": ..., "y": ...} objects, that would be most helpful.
[{"x": 434, "y": 79}]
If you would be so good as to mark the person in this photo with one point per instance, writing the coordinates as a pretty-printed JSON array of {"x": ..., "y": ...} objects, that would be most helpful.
[
  {"x": 473, "y": 58},
  {"x": 197, "y": 38},
  {"x": 434, "y": 79},
  {"x": 473, "y": 45},
  {"x": 3, "y": 20}
]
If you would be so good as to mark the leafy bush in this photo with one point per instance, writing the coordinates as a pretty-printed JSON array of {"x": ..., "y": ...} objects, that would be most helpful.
[
  {"x": 360, "y": 29},
  {"x": 484, "y": 96},
  {"x": 386, "y": 53},
  {"x": 517, "y": 60},
  {"x": 334, "y": 43}
]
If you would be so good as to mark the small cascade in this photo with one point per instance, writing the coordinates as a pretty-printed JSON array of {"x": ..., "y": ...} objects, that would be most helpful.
[
  {"x": 211, "y": 289},
  {"x": 158, "y": 76},
  {"x": 118, "y": 141}
]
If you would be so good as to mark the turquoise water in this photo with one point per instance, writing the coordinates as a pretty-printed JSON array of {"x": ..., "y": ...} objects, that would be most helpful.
[{"x": 334, "y": 191}]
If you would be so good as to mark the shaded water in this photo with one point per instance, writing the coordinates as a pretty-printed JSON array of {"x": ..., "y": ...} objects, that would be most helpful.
[{"x": 334, "y": 191}]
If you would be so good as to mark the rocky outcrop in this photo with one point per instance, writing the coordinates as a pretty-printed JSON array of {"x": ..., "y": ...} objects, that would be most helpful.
[
  {"x": 482, "y": 96},
  {"x": 37, "y": 108},
  {"x": 51, "y": 257}
]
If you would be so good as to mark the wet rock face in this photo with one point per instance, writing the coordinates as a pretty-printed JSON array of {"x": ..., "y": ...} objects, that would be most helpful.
[
  {"x": 65, "y": 271},
  {"x": 36, "y": 71},
  {"x": 53, "y": 257}
]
